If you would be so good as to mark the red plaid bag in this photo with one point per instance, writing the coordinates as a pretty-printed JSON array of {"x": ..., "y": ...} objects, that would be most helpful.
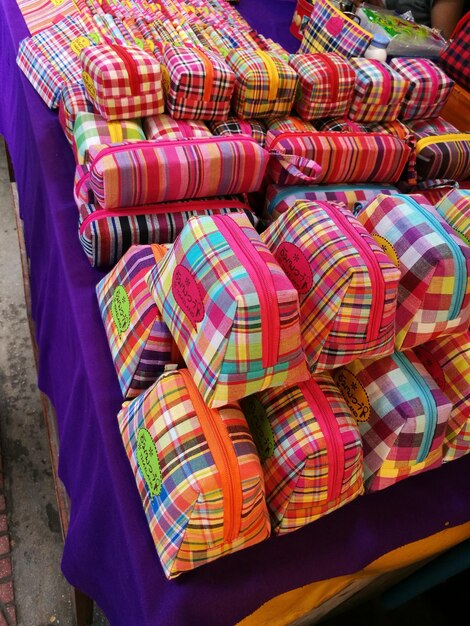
[{"x": 455, "y": 56}]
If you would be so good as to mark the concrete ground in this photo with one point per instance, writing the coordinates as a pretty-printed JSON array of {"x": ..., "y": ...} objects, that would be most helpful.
[{"x": 33, "y": 591}]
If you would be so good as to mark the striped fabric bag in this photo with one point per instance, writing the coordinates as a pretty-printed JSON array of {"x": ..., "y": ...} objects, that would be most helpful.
[
  {"x": 455, "y": 209},
  {"x": 447, "y": 359},
  {"x": 123, "y": 82},
  {"x": 165, "y": 127},
  {"x": 197, "y": 473},
  {"x": 39, "y": 15},
  {"x": 326, "y": 85},
  {"x": 347, "y": 285},
  {"x": 90, "y": 129},
  {"x": 428, "y": 87},
  {"x": 434, "y": 290},
  {"x": 198, "y": 83},
  {"x": 310, "y": 450},
  {"x": 139, "y": 340},
  {"x": 234, "y": 125},
  {"x": 401, "y": 413},
  {"x": 232, "y": 310},
  {"x": 265, "y": 84},
  {"x": 379, "y": 91},
  {"x": 73, "y": 100}
]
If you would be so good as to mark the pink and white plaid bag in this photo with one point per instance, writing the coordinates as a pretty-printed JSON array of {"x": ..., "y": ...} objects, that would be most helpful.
[{"x": 166, "y": 127}]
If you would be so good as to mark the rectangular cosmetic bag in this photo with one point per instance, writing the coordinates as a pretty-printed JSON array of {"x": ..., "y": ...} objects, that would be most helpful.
[
  {"x": 379, "y": 91},
  {"x": 310, "y": 450},
  {"x": 73, "y": 100},
  {"x": 234, "y": 125},
  {"x": 232, "y": 310},
  {"x": 325, "y": 85},
  {"x": 164, "y": 170},
  {"x": 265, "y": 84},
  {"x": 139, "y": 340},
  {"x": 454, "y": 58},
  {"x": 401, "y": 413},
  {"x": 39, "y": 15},
  {"x": 347, "y": 285},
  {"x": 198, "y": 83},
  {"x": 434, "y": 290},
  {"x": 428, "y": 87},
  {"x": 447, "y": 359},
  {"x": 197, "y": 472},
  {"x": 454, "y": 207},
  {"x": 123, "y": 82},
  {"x": 166, "y": 127}
]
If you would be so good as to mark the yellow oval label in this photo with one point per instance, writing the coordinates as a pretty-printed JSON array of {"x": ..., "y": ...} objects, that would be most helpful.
[
  {"x": 79, "y": 43},
  {"x": 57, "y": 3},
  {"x": 354, "y": 393},
  {"x": 165, "y": 79},
  {"x": 89, "y": 84},
  {"x": 388, "y": 248}
]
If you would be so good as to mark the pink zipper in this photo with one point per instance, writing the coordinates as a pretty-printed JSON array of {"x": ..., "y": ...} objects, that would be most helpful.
[
  {"x": 131, "y": 67},
  {"x": 246, "y": 127},
  {"x": 264, "y": 285},
  {"x": 375, "y": 274},
  {"x": 329, "y": 426},
  {"x": 387, "y": 81},
  {"x": 162, "y": 208}
]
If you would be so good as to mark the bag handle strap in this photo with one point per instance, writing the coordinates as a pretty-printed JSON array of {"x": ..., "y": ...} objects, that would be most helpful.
[{"x": 307, "y": 170}]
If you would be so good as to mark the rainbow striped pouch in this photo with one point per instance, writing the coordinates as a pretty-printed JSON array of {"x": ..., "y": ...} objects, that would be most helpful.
[
  {"x": 454, "y": 207},
  {"x": 310, "y": 450},
  {"x": 347, "y": 285},
  {"x": 234, "y": 125},
  {"x": 141, "y": 344},
  {"x": 447, "y": 359},
  {"x": 264, "y": 84},
  {"x": 198, "y": 83},
  {"x": 434, "y": 290},
  {"x": 232, "y": 310},
  {"x": 165, "y": 127},
  {"x": 197, "y": 472},
  {"x": 401, "y": 413},
  {"x": 73, "y": 100}
]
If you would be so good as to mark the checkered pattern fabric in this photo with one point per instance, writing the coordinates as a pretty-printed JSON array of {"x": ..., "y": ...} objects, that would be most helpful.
[
  {"x": 428, "y": 90},
  {"x": 165, "y": 127},
  {"x": 326, "y": 85},
  {"x": 454, "y": 58},
  {"x": 73, "y": 100},
  {"x": 140, "y": 342},
  {"x": 310, "y": 448},
  {"x": 455, "y": 209},
  {"x": 329, "y": 30},
  {"x": 447, "y": 360},
  {"x": 198, "y": 84},
  {"x": 264, "y": 84},
  {"x": 39, "y": 15},
  {"x": 160, "y": 171},
  {"x": 401, "y": 413},
  {"x": 232, "y": 310},
  {"x": 123, "y": 82},
  {"x": 234, "y": 125},
  {"x": 379, "y": 92},
  {"x": 347, "y": 286},
  {"x": 197, "y": 511},
  {"x": 434, "y": 290},
  {"x": 91, "y": 129}
]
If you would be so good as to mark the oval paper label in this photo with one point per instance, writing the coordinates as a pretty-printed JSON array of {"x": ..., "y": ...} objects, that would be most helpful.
[
  {"x": 296, "y": 266},
  {"x": 89, "y": 84},
  {"x": 165, "y": 79},
  {"x": 388, "y": 248},
  {"x": 121, "y": 309},
  {"x": 260, "y": 427},
  {"x": 147, "y": 460},
  {"x": 79, "y": 43},
  {"x": 354, "y": 393},
  {"x": 187, "y": 295}
]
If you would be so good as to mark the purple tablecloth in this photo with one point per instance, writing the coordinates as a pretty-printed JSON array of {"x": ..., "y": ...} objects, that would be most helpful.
[{"x": 109, "y": 553}]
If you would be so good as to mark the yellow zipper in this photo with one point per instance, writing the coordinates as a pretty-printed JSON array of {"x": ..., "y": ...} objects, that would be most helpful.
[
  {"x": 115, "y": 131},
  {"x": 426, "y": 141},
  {"x": 272, "y": 72}
]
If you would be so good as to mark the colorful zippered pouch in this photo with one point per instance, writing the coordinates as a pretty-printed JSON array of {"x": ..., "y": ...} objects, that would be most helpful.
[
  {"x": 310, "y": 450},
  {"x": 347, "y": 285},
  {"x": 231, "y": 308},
  {"x": 434, "y": 290},
  {"x": 165, "y": 127},
  {"x": 402, "y": 416},
  {"x": 454, "y": 207},
  {"x": 197, "y": 472},
  {"x": 73, "y": 100}
]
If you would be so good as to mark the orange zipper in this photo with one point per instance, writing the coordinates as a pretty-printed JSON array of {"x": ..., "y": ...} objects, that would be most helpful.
[{"x": 209, "y": 78}]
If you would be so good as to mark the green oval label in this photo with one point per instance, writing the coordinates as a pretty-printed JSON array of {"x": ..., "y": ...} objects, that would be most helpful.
[
  {"x": 260, "y": 427},
  {"x": 147, "y": 460},
  {"x": 121, "y": 309}
]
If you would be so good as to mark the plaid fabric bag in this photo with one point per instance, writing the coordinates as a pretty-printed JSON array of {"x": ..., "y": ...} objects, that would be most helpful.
[
  {"x": 447, "y": 359},
  {"x": 330, "y": 30},
  {"x": 139, "y": 340},
  {"x": 73, "y": 100},
  {"x": 310, "y": 450},
  {"x": 198, "y": 83},
  {"x": 232, "y": 310},
  {"x": 123, "y": 82},
  {"x": 379, "y": 91},
  {"x": 129, "y": 175},
  {"x": 401, "y": 413},
  {"x": 234, "y": 125},
  {"x": 91, "y": 129},
  {"x": 165, "y": 127},
  {"x": 264, "y": 84},
  {"x": 434, "y": 290},
  {"x": 326, "y": 85},
  {"x": 347, "y": 285},
  {"x": 197, "y": 472},
  {"x": 39, "y": 15},
  {"x": 454, "y": 58},
  {"x": 428, "y": 87},
  {"x": 454, "y": 207}
]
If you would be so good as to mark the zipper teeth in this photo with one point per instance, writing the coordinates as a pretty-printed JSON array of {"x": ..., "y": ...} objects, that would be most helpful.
[
  {"x": 430, "y": 405},
  {"x": 131, "y": 67},
  {"x": 458, "y": 293},
  {"x": 375, "y": 274},
  {"x": 335, "y": 82},
  {"x": 231, "y": 505},
  {"x": 268, "y": 304}
]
